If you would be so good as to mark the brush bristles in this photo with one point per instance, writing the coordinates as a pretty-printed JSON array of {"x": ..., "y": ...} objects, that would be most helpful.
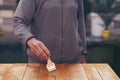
[{"x": 53, "y": 73}]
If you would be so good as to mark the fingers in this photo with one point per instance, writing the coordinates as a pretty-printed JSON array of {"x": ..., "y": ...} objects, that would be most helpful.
[
  {"x": 41, "y": 52},
  {"x": 44, "y": 48},
  {"x": 36, "y": 53},
  {"x": 39, "y": 49}
]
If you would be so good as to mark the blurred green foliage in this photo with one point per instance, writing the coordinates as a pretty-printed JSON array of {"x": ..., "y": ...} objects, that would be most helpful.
[{"x": 1, "y": 34}]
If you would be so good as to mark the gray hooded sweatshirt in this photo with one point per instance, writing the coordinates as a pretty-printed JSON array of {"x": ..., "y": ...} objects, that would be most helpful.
[{"x": 59, "y": 24}]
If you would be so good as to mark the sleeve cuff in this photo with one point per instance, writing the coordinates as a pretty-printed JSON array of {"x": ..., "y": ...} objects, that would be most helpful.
[{"x": 28, "y": 40}]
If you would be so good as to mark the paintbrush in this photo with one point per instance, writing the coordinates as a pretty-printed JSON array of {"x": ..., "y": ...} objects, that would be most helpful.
[{"x": 51, "y": 68}]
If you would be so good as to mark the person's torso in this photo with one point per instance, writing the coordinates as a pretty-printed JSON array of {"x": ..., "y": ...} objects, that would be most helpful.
[{"x": 56, "y": 24}]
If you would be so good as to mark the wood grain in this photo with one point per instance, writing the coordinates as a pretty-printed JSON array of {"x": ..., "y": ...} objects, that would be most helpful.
[
  {"x": 32, "y": 72},
  {"x": 77, "y": 72},
  {"x": 43, "y": 73},
  {"x": 91, "y": 72},
  {"x": 66, "y": 72},
  {"x": 106, "y": 72},
  {"x": 12, "y": 71}
]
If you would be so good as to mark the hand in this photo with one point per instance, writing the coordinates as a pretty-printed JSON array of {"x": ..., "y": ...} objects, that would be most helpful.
[
  {"x": 83, "y": 59},
  {"x": 38, "y": 48}
]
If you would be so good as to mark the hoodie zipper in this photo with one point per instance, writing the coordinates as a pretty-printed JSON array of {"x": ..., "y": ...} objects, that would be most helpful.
[{"x": 62, "y": 30}]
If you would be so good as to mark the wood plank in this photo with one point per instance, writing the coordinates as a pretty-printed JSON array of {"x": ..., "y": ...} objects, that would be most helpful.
[
  {"x": 66, "y": 72},
  {"x": 43, "y": 73},
  {"x": 91, "y": 72},
  {"x": 12, "y": 71},
  {"x": 106, "y": 72},
  {"x": 77, "y": 72},
  {"x": 37, "y": 72},
  {"x": 31, "y": 72},
  {"x": 63, "y": 72},
  {"x": 113, "y": 73},
  {"x": 3, "y": 70}
]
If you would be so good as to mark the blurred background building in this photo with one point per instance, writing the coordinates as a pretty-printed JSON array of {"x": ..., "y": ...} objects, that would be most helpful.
[
  {"x": 99, "y": 50},
  {"x": 7, "y": 8},
  {"x": 10, "y": 48}
]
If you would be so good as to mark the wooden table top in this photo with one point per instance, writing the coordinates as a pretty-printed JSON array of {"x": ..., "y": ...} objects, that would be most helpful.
[{"x": 34, "y": 71}]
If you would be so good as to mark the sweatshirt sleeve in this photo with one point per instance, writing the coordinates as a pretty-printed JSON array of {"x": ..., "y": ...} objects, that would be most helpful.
[
  {"x": 81, "y": 25},
  {"x": 22, "y": 19}
]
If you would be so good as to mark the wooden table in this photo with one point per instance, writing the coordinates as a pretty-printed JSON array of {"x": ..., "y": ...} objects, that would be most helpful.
[{"x": 66, "y": 72}]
